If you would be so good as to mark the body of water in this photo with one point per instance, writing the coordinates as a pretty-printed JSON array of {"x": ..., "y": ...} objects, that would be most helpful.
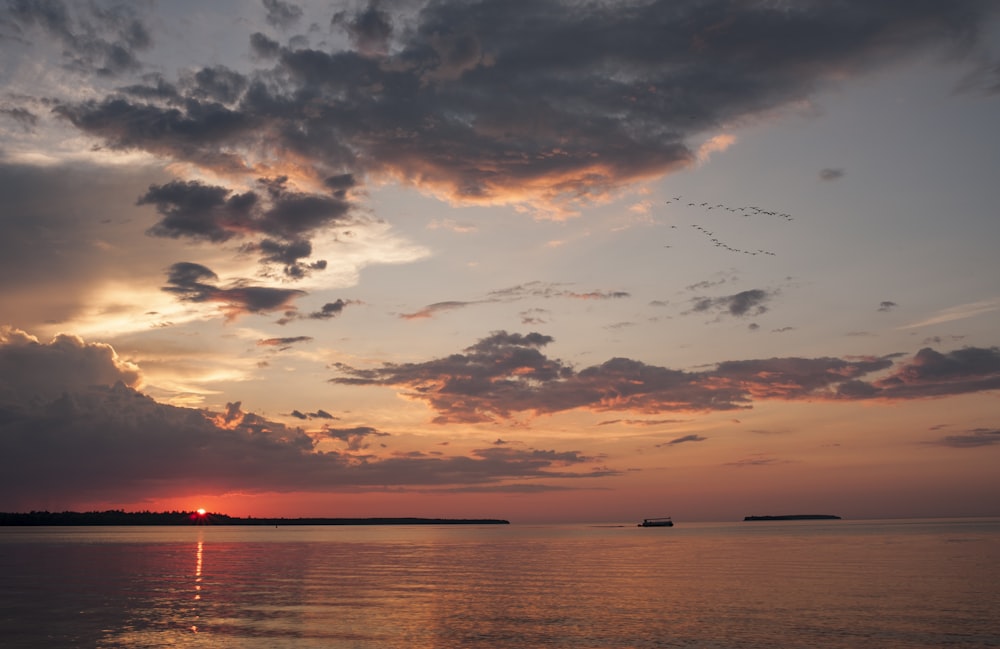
[{"x": 837, "y": 584}]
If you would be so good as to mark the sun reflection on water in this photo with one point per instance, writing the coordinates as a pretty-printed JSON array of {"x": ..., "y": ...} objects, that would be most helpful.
[{"x": 198, "y": 555}]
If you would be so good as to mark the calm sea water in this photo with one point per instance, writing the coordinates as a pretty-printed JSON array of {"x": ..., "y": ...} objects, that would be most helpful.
[{"x": 843, "y": 584}]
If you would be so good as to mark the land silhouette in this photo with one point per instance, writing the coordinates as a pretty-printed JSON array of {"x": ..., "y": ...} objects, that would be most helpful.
[{"x": 119, "y": 517}]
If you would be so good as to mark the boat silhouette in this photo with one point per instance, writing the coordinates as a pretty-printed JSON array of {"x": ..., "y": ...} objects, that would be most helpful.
[{"x": 657, "y": 522}]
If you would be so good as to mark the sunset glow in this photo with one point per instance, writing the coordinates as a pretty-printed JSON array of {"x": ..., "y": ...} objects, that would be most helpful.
[{"x": 415, "y": 259}]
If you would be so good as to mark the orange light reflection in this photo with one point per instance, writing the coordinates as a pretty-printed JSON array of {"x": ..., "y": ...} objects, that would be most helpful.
[{"x": 198, "y": 554}]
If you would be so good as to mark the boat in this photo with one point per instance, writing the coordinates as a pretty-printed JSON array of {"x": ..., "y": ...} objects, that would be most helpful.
[{"x": 657, "y": 522}]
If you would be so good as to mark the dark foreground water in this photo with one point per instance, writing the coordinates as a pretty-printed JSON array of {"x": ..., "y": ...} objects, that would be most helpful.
[{"x": 844, "y": 584}]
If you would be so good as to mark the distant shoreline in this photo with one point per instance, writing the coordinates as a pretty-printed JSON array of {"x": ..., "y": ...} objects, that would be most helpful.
[
  {"x": 114, "y": 517},
  {"x": 794, "y": 517}
]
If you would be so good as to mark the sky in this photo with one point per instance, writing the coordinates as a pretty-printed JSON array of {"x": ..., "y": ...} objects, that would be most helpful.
[{"x": 541, "y": 260}]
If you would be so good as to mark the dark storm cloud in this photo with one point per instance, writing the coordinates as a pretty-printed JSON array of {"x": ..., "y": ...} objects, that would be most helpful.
[
  {"x": 192, "y": 282},
  {"x": 505, "y": 374},
  {"x": 71, "y": 429},
  {"x": 745, "y": 303},
  {"x": 546, "y": 101},
  {"x": 100, "y": 39}
]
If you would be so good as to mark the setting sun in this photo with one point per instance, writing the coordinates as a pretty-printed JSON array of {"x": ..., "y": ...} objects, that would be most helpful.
[{"x": 201, "y": 511}]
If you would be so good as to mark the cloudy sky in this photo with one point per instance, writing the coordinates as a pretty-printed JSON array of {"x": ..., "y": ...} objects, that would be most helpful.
[{"x": 533, "y": 259}]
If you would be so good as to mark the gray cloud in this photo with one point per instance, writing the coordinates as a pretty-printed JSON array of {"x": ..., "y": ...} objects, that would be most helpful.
[
  {"x": 33, "y": 369},
  {"x": 506, "y": 373},
  {"x": 319, "y": 414},
  {"x": 431, "y": 310},
  {"x": 684, "y": 439},
  {"x": 326, "y": 312},
  {"x": 192, "y": 282},
  {"x": 757, "y": 461},
  {"x": 529, "y": 290},
  {"x": 219, "y": 83},
  {"x": 641, "y": 422},
  {"x": 886, "y": 305},
  {"x": 71, "y": 429},
  {"x": 744, "y": 303},
  {"x": 264, "y": 47},
  {"x": 101, "y": 39},
  {"x": 369, "y": 29},
  {"x": 971, "y": 439},
  {"x": 598, "y": 295},
  {"x": 284, "y": 218},
  {"x": 356, "y": 437},
  {"x": 22, "y": 116},
  {"x": 285, "y": 342},
  {"x": 470, "y": 103},
  {"x": 548, "y": 290},
  {"x": 331, "y": 309},
  {"x": 934, "y": 374},
  {"x": 831, "y": 174},
  {"x": 281, "y": 14}
]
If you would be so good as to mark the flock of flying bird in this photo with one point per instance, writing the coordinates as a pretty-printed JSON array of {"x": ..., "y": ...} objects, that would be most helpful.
[{"x": 747, "y": 210}]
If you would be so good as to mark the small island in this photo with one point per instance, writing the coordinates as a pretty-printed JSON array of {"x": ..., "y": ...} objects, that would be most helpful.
[
  {"x": 119, "y": 517},
  {"x": 794, "y": 517}
]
